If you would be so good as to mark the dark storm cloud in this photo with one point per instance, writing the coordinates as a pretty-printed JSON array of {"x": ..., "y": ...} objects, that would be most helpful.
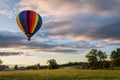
[
  {"x": 91, "y": 27},
  {"x": 10, "y": 53},
  {"x": 111, "y": 31},
  {"x": 101, "y": 21},
  {"x": 11, "y": 40},
  {"x": 8, "y": 39},
  {"x": 103, "y": 5},
  {"x": 63, "y": 50}
]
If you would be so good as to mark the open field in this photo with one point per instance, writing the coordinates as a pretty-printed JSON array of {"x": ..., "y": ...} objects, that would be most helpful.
[{"x": 61, "y": 74}]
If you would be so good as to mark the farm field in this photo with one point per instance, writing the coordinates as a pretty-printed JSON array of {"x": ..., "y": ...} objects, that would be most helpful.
[{"x": 61, "y": 74}]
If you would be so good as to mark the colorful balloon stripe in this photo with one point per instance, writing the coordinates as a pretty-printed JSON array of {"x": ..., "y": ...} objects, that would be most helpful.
[{"x": 29, "y": 22}]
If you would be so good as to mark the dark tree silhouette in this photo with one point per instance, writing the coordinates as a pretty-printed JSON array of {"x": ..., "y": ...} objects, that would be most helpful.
[
  {"x": 101, "y": 56},
  {"x": 92, "y": 58},
  {"x": 16, "y": 67},
  {"x": 96, "y": 59},
  {"x": 1, "y": 61},
  {"x": 52, "y": 64},
  {"x": 115, "y": 57}
]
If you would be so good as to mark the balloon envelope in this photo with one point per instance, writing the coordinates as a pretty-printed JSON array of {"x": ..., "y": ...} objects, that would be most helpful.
[{"x": 29, "y": 22}]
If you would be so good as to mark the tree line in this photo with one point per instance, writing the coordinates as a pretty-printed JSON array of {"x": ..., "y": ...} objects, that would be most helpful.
[{"x": 96, "y": 59}]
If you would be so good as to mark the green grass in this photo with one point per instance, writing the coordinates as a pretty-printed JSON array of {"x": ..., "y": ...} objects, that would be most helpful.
[{"x": 61, "y": 74}]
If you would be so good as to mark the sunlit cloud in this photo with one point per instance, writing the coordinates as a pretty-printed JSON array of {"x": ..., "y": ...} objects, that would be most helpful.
[{"x": 71, "y": 6}]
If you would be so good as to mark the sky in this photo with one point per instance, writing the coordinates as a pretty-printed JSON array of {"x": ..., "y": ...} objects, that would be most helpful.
[{"x": 71, "y": 28}]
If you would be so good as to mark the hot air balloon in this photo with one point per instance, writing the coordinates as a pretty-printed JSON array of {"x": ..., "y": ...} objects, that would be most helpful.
[{"x": 29, "y": 22}]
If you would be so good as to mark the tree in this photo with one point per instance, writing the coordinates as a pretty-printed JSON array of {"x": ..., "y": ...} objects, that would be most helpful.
[
  {"x": 92, "y": 58},
  {"x": 31, "y": 67},
  {"x": 106, "y": 64},
  {"x": 52, "y": 64},
  {"x": 1, "y": 61},
  {"x": 96, "y": 58},
  {"x": 115, "y": 57},
  {"x": 16, "y": 67},
  {"x": 101, "y": 56}
]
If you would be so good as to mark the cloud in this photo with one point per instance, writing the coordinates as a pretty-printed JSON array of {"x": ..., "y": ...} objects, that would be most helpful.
[
  {"x": 64, "y": 51},
  {"x": 9, "y": 8},
  {"x": 15, "y": 40},
  {"x": 110, "y": 31},
  {"x": 11, "y": 53},
  {"x": 78, "y": 19},
  {"x": 69, "y": 26},
  {"x": 8, "y": 39},
  {"x": 3, "y": 2},
  {"x": 70, "y": 6},
  {"x": 46, "y": 7},
  {"x": 10, "y": 14},
  {"x": 91, "y": 27},
  {"x": 19, "y": 43},
  {"x": 74, "y": 19}
]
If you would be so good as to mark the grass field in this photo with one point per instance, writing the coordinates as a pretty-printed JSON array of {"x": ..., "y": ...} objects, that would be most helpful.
[{"x": 61, "y": 74}]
